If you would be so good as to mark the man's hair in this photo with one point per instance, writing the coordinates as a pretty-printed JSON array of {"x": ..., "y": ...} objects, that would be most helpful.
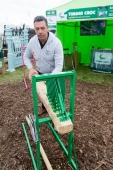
[{"x": 40, "y": 18}]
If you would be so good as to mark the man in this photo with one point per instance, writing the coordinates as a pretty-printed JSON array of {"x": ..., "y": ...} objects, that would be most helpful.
[{"x": 46, "y": 49}]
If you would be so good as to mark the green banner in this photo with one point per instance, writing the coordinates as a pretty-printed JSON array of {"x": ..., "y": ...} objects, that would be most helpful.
[
  {"x": 94, "y": 12},
  {"x": 110, "y": 11},
  {"x": 81, "y": 13},
  {"x": 51, "y": 13},
  {"x": 52, "y": 26}
]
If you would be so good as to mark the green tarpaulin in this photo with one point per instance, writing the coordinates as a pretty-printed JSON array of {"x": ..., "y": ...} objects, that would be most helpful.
[{"x": 67, "y": 20}]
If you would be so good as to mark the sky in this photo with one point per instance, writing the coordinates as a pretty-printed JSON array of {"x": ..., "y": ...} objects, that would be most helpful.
[{"x": 17, "y": 12}]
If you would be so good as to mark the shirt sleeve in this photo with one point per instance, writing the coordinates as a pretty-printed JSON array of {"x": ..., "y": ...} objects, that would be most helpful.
[
  {"x": 59, "y": 58},
  {"x": 28, "y": 56}
]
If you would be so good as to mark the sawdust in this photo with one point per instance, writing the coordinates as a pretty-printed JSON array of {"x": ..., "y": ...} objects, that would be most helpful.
[{"x": 93, "y": 129}]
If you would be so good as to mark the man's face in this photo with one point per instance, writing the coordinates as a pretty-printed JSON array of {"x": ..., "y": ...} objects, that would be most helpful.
[{"x": 41, "y": 30}]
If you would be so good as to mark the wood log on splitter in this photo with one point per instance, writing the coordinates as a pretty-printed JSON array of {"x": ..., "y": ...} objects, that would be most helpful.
[{"x": 61, "y": 127}]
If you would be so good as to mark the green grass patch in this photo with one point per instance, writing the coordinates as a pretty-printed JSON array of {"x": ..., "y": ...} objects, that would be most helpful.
[
  {"x": 84, "y": 73},
  {"x": 12, "y": 77}
]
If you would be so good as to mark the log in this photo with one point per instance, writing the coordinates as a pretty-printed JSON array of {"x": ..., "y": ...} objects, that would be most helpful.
[{"x": 60, "y": 127}]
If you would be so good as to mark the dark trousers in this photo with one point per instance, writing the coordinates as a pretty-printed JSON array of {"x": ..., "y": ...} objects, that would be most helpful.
[{"x": 43, "y": 107}]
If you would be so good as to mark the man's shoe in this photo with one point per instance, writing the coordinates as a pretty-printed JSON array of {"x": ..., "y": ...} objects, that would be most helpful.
[{"x": 41, "y": 111}]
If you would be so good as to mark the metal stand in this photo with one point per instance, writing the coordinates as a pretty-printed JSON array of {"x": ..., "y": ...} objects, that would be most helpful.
[{"x": 68, "y": 151}]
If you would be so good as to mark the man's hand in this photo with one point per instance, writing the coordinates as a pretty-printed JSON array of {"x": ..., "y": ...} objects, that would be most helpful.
[{"x": 32, "y": 71}]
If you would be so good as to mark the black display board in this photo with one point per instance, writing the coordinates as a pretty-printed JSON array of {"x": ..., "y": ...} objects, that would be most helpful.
[
  {"x": 93, "y": 27},
  {"x": 102, "y": 60}
]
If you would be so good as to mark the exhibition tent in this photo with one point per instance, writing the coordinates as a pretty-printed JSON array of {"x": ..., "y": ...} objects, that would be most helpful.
[{"x": 70, "y": 19}]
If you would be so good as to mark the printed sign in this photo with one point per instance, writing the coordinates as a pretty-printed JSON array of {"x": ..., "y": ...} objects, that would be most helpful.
[
  {"x": 81, "y": 13},
  {"x": 103, "y": 58},
  {"x": 110, "y": 11},
  {"x": 51, "y": 13},
  {"x": 75, "y": 14},
  {"x": 51, "y": 18},
  {"x": 85, "y": 13}
]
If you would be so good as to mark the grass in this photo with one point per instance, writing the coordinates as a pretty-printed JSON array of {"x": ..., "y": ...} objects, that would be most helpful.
[
  {"x": 84, "y": 73},
  {"x": 12, "y": 77}
]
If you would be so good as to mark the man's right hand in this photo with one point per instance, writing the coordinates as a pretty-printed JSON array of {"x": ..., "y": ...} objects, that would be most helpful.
[{"x": 32, "y": 71}]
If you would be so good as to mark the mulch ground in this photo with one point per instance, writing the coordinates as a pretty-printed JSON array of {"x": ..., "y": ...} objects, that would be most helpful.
[{"x": 93, "y": 129}]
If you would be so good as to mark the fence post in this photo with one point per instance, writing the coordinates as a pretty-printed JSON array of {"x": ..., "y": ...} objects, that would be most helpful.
[
  {"x": 25, "y": 37},
  {"x": 10, "y": 55}
]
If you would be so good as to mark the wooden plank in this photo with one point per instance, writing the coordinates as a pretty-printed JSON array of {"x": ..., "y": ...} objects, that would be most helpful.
[{"x": 61, "y": 127}]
